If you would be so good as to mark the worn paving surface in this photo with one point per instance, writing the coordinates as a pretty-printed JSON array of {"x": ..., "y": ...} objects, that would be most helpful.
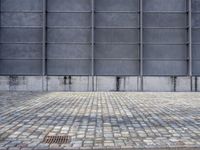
[{"x": 100, "y": 120}]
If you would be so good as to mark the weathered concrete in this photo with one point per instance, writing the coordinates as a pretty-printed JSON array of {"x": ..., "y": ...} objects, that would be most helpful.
[
  {"x": 197, "y": 84},
  {"x": 101, "y": 83},
  {"x": 183, "y": 84},
  {"x": 131, "y": 84},
  {"x": 158, "y": 84}
]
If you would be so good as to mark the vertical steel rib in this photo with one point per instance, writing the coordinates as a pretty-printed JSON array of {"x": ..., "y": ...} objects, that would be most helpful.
[
  {"x": 190, "y": 39},
  {"x": 92, "y": 41},
  {"x": 44, "y": 42},
  {"x": 141, "y": 45}
]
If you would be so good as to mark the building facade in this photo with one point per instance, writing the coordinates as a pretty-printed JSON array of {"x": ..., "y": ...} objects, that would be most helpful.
[{"x": 100, "y": 45}]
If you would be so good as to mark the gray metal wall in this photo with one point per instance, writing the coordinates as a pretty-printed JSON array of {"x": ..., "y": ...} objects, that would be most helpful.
[{"x": 100, "y": 37}]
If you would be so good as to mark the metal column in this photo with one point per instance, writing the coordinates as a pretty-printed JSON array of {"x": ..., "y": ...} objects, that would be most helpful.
[
  {"x": 44, "y": 16},
  {"x": 190, "y": 39},
  {"x": 92, "y": 41},
  {"x": 0, "y": 28},
  {"x": 141, "y": 45}
]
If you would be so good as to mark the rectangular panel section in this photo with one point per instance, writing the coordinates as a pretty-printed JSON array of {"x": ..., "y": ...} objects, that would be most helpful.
[
  {"x": 117, "y": 51},
  {"x": 69, "y": 19},
  {"x": 69, "y": 67},
  {"x": 21, "y": 5},
  {"x": 195, "y": 5},
  {"x": 23, "y": 51},
  {"x": 196, "y": 20},
  {"x": 21, "y": 19},
  {"x": 196, "y": 35},
  {"x": 117, "y": 35},
  {"x": 69, "y": 5},
  {"x": 20, "y": 67},
  {"x": 116, "y": 67},
  {"x": 196, "y": 51},
  {"x": 164, "y": 5},
  {"x": 68, "y": 51},
  {"x": 165, "y": 35},
  {"x": 165, "y": 51},
  {"x": 196, "y": 68},
  {"x": 116, "y": 19},
  {"x": 21, "y": 35},
  {"x": 165, "y": 67},
  {"x": 165, "y": 20},
  {"x": 116, "y": 5},
  {"x": 69, "y": 35}
]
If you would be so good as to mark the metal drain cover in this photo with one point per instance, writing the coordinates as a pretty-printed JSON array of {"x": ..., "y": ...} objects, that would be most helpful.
[{"x": 56, "y": 139}]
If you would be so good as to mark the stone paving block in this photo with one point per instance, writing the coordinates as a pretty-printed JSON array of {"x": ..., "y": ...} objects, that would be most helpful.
[{"x": 99, "y": 120}]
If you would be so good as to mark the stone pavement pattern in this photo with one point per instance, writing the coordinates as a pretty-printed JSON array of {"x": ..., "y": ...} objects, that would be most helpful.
[{"x": 122, "y": 120}]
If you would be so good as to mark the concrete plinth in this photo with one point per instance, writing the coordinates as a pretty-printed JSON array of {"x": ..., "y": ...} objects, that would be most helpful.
[{"x": 99, "y": 83}]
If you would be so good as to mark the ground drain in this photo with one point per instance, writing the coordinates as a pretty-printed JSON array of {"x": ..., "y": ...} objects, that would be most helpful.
[{"x": 56, "y": 139}]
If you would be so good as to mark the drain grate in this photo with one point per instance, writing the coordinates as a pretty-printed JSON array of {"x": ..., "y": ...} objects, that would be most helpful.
[{"x": 56, "y": 139}]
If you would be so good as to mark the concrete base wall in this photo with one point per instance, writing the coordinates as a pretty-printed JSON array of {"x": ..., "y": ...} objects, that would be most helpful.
[{"x": 99, "y": 83}]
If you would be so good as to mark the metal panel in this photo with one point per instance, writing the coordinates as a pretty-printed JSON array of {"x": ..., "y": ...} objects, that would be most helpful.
[
  {"x": 116, "y": 67},
  {"x": 165, "y": 52},
  {"x": 165, "y": 37},
  {"x": 21, "y": 5},
  {"x": 56, "y": 51},
  {"x": 69, "y": 19},
  {"x": 173, "y": 36},
  {"x": 196, "y": 70},
  {"x": 195, "y": 5},
  {"x": 21, "y": 19},
  {"x": 21, "y": 37},
  {"x": 196, "y": 52},
  {"x": 117, "y": 37},
  {"x": 165, "y": 67},
  {"x": 68, "y": 5},
  {"x": 164, "y": 5},
  {"x": 12, "y": 35},
  {"x": 100, "y": 37},
  {"x": 117, "y": 5},
  {"x": 20, "y": 67},
  {"x": 117, "y": 51},
  {"x": 196, "y": 35},
  {"x": 68, "y": 67},
  {"x": 69, "y": 37},
  {"x": 195, "y": 18},
  {"x": 117, "y": 20},
  {"x": 21, "y": 51},
  {"x": 165, "y": 20}
]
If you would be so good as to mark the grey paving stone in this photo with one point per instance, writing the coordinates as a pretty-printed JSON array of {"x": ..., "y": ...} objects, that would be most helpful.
[{"x": 99, "y": 120}]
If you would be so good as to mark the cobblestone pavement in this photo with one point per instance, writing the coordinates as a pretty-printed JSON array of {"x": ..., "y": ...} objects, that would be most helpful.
[{"x": 100, "y": 120}]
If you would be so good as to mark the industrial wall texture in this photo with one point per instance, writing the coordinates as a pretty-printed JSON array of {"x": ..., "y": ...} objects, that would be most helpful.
[{"x": 95, "y": 39}]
